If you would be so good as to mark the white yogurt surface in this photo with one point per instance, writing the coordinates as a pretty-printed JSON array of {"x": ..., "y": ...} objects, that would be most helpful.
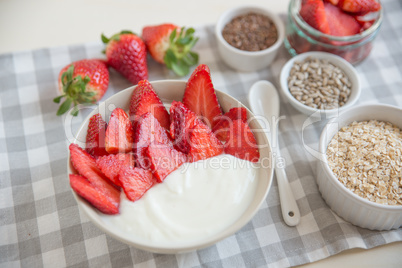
[{"x": 194, "y": 202}]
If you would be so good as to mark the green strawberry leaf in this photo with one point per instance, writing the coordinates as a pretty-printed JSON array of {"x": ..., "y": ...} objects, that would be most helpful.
[
  {"x": 184, "y": 40},
  {"x": 172, "y": 36},
  {"x": 180, "y": 68},
  {"x": 126, "y": 32},
  {"x": 190, "y": 59},
  {"x": 58, "y": 99},
  {"x": 64, "y": 106},
  {"x": 105, "y": 40},
  {"x": 169, "y": 58},
  {"x": 179, "y": 56},
  {"x": 190, "y": 31}
]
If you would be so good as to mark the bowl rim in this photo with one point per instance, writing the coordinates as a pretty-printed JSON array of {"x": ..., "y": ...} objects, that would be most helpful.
[
  {"x": 323, "y": 144},
  {"x": 229, "y": 14},
  {"x": 230, "y": 230},
  {"x": 294, "y": 12},
  {"x": 336, "y": 60}
]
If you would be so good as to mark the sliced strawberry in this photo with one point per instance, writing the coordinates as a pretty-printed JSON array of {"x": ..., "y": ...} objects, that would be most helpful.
[
  {"x": 334, "y": 2},
  {"x": 182, "y": 119},
  {"x": 199, "y": 96},
  {"x": 143, "y": 100},
  {"x": 313, "y": 13},
  {"x": 119, "y": 133},
  {"x": 339, "y": 22},
  {"x": 242, "y": 143},
  {"x": 164, "y": 159},
  {"x": 110, "y": 165},
  {"x": 148, "y": 130},
  {"x": 136, "y": 181},
  {"x": 95, "y": 140},
  {"x": 87, "y": 191},
  {"x": 86, "y": 166},
  {"x": 221, "y": 129},
  {"x": 359, "y": 6},
  {"x": 203, "y": 143},
  {"x": 191, "y": 135}
]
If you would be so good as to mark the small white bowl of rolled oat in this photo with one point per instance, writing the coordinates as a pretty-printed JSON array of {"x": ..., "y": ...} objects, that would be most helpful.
[
  {"x": 359, "y": 173},
  {"x": 320, "y": 84}
]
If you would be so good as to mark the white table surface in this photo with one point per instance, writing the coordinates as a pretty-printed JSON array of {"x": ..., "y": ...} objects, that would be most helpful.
[{"x": 27, "y": 25}]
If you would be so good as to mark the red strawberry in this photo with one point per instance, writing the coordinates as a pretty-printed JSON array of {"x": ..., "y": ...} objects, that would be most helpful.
[
  {"x": 148, "y": 130},
  {"x": 203, "y": 143},
  {"x": 144, "y": 99},
  {"x": 313, "y": 13},
  {"x": 119, "y": 133},
  {"x": 334, "y": 2},
  {"x": 191, "y": 135},
  {"x": 136, "y": 181},
  {"x": 111, "y": 165},
  {"x": 170, "y": 45},
  {"x": 359, "y": 6},
  {"x": 95, "y": 140},
  {"x": 82, "y": 82},
  {"x": 339, "y": 22},
  {"x": 199, "y": 95},
  {"x": 86, "y": 166},
  {"x": 182, "y": 119},
  {"x": 221, "y": 129},
  {"x": 87, "y": 191},
  {"x": 127, "y": 54},
  {"x": 164, "y": 159},
  {"x": 242, "y": 143}
]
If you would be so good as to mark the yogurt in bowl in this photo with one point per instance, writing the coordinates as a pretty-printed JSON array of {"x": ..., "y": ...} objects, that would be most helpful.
[
  {"x": 197, "y": 200},
  {"x": 198, "y": 204}
]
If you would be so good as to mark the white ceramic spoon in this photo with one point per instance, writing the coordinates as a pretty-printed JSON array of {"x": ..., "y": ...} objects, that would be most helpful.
[{"x": 264, "y": 102}]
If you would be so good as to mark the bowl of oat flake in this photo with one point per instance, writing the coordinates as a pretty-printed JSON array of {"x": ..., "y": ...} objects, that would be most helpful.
[
  {"x": 249, "y": 38},
  {"x": 359, "y": 172},
  {"x": 320, "y": 84}
]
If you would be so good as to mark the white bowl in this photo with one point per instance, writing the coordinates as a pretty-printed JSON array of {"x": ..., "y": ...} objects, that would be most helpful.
[
  {"x": 248, "y": 61},
  {"x": 349, "y": 70},
  {"x": 168, "y": 91},
  {"x": 351, "y": 207}
]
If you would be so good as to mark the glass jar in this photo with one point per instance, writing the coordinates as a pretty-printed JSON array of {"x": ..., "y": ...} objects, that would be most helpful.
[{"x": 301, "y": 37}]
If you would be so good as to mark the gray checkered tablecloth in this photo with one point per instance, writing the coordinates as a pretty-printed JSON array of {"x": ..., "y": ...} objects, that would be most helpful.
[{"x": 41, "y": 225}]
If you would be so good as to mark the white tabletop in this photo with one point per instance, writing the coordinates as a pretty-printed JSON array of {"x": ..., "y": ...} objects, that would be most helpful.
[{"x": 27, "y": 25}]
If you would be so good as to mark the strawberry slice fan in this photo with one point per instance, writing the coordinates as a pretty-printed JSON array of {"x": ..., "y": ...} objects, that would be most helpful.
[{"x": 135, "y": 151}]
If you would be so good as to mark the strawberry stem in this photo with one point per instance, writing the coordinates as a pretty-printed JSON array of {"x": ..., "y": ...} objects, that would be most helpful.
[
  {"x": 75, "y": 92},
  {"x": 179, "y": 56}
]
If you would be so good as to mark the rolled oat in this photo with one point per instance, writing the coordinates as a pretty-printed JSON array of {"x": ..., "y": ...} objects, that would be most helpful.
[{"x": 366, "y": 157}]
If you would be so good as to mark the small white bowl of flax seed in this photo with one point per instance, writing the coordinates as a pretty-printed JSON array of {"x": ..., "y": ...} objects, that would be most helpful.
[
  {"x": 359, "y": 167},
  {"x": 320, "y": 84},
  {"x": 249, "y": 38}
]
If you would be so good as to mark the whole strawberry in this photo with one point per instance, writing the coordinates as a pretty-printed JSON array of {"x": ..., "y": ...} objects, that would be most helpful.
[
  {"x": 170, "y": 45},
  {"x": 127, "y": 54},
  {"x": 82, "y": 82}
]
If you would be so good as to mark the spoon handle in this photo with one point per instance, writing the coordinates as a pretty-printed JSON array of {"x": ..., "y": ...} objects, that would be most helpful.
[{"x": 290, "y": 210}]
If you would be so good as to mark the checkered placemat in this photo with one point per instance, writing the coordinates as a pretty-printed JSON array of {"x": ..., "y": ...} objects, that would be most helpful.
[{"x": 41, "y": 225}]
